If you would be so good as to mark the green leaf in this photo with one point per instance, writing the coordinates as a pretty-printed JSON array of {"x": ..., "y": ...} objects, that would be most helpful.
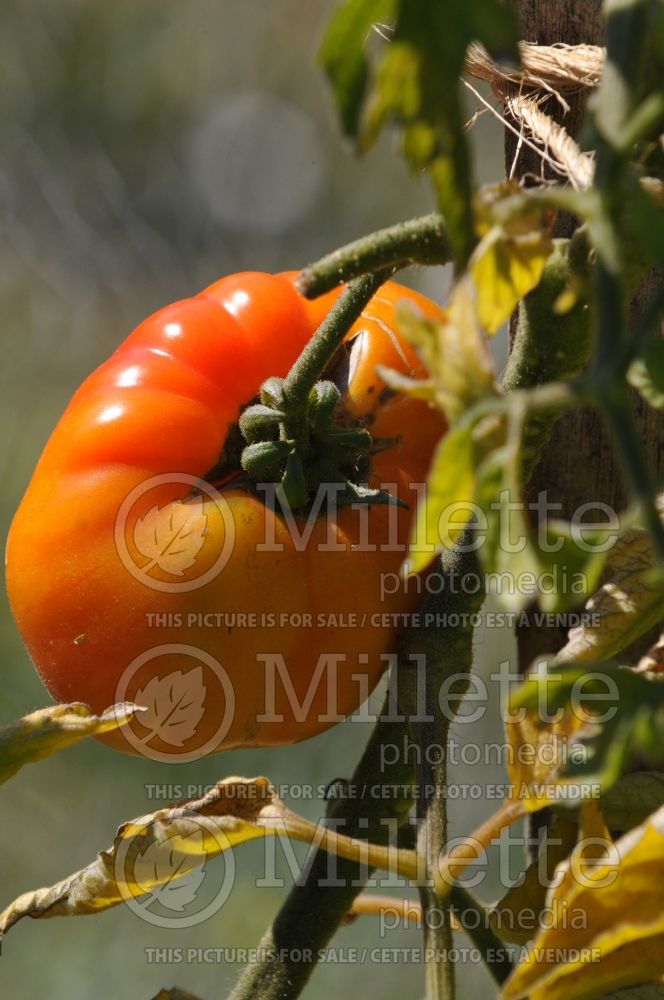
[
  {"x": 625, "y": 84},
  {"x": 629, "y": 705},
  {"x": 417, "y": 84},
  {"x": 441, "y": 514},
  {"x": 646, "y": 373},
  {"x": 456, "y": 354},
  {"x": 571, "y": 573},
  {"x": 631, "y": 800},
  {"x": 42, "y": 733},
  {"x": 343, "y": 54},
  {"x": 643, "y": 220},
  {"x": 509, "y": 558}
]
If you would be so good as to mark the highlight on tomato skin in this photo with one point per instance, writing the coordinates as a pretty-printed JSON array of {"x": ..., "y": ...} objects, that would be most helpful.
[{"x": 161, "y": 582}]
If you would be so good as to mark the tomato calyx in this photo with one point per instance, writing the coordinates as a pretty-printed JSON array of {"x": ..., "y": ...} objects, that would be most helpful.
[
  {"x": 295, "y": 434},
  {"x": 301, "y": 446}
]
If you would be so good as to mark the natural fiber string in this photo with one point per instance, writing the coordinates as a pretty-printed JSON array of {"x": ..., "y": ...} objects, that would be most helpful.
[
  {"x": 579, "y": 167},
  {"x": 523, "y": 139},
  {"x": 546, "y": 67},
  {"x": 551, "y": 69}
]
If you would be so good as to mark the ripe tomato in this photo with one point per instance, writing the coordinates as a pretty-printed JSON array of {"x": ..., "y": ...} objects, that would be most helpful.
[{"x": 140, "y": 568}]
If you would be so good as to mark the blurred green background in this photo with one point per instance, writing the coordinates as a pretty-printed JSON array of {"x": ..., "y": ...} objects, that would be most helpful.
[{"x": 148, "y": 147}]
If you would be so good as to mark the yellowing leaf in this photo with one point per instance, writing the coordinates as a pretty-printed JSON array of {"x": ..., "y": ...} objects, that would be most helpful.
[
  {"x": 150, "y": 853},
  {"x": 446, "y": 505},
  {"x": 455, "y": 352},
  {"x": 466, "y": 346},
  {"x": 652, "y": 660},
  {"x": 417, "y": 388},
  {"x": 505, "y": 267},
  {"x": 580, "y": 728},
  {"x": 630, "y": 602},
  {"x": 621, "y": 942},
  {"x": 516, "y": 917},
  {"x": 173, "y": 876},
  {"x": 538, "y": 755},
  {"x": 542, "y": 738},
  {"x": 44, "y": 732}
]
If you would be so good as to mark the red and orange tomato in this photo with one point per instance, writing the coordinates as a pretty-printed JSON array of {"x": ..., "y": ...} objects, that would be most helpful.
[{"x": 129, "y": 582}]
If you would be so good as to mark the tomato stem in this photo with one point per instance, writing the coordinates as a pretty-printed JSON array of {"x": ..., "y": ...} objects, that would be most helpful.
[
  {"x": 314, "y": 358},
  {"x": 291, "y": 434},
  {"x": 315, "y": 905},
  {"x": 423, "y": 240},
  {"x": 424, "y": 651}
]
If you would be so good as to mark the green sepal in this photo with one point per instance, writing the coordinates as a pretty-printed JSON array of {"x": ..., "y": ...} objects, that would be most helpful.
[
  {"x": 294, "y": 483},
  {"x": 272, "y": 393},
  {"x": 352, "y": 493},
  {"x": 347, "y": 444},
  {"x": 260, "y": 423},
  {"x": 265, "y": 460},
  {"x": 323, "y": 400}
]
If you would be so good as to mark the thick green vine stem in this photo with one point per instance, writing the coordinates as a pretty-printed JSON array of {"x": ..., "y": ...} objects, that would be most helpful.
[
  {"x": 418, "y": 241},
  {"x": 313, "y": 910},
  {"x": 549, "y": 346},
  {"x": 312, "y": 361},
  {"x": 425, "y": 650},
  {"x": 292, "y": 435}
]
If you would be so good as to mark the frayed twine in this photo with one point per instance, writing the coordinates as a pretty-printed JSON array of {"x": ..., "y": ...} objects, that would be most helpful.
[{"x": 546, "y": 71}]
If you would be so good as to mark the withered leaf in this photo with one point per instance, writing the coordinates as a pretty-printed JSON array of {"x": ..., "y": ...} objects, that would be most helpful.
[{"x": 47, "y": 730}]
